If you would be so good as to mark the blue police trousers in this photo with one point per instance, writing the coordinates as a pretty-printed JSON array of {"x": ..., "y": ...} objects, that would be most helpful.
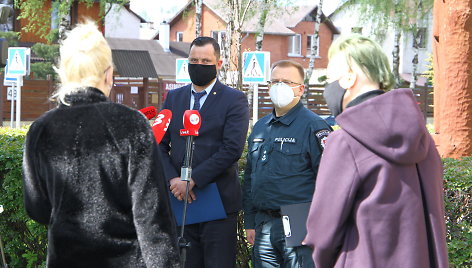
[{"x": 269, "y": 246}]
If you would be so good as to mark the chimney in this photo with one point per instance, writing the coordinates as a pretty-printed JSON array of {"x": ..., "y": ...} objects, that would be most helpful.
[{"x": 164, "y": 35}]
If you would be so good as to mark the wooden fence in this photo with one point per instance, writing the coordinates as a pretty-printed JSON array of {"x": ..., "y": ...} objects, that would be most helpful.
[
  {"x": 317, "y": 104},
  {"x": 34, "y": 100},
  {"x": 139, "y": 93}
]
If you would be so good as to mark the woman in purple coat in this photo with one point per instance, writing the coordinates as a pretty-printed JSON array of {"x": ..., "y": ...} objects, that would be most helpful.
[{"x": 379, "y": 192}]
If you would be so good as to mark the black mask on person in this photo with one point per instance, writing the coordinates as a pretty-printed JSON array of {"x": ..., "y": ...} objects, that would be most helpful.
[
  {"x": 334, "y": 94},
  {"x": 201, "y": 74}
]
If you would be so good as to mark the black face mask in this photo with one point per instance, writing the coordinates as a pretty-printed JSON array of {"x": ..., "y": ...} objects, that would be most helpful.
[
  {"x": 334, "y": 94},
  {"x": 201, "y": 74}
]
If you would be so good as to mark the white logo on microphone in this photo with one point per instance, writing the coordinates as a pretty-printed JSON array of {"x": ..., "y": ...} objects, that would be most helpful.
[
  {"x": 194, "y": 119},
  {"x": 158, "y": 120}
]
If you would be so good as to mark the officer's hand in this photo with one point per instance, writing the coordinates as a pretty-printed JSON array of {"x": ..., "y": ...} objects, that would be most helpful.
[{"x": 250, "y": 235}]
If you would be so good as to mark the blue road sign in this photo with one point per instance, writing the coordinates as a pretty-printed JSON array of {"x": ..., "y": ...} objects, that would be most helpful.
[
  {"x": 256, "y": 67},
  {"x": 9, "y": 80},
  {"x": 18, "y": 60},
  {"x": 181, "y": 71}
]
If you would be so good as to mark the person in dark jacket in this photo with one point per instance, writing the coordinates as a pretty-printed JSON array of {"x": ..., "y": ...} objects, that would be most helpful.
[
  {"x": 379, "y": 191},
  {"x": 225, "y": 120},
  {"x": 91, "y": 170},
  {"x": 284, "y": 151}
]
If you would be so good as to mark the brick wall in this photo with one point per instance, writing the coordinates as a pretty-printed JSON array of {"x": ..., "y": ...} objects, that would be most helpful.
[{"x": 276, "y": 44}]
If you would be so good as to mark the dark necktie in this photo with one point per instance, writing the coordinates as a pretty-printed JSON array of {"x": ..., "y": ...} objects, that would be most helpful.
[{"x": 197, "y": 96}]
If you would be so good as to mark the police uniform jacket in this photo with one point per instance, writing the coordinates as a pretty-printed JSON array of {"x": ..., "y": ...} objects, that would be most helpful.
[{"x": 282, "y": 161}]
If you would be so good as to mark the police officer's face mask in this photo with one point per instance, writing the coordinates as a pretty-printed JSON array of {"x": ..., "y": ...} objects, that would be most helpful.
[
  {"x": 334, "y": 94},
  {"x": 281, "y": 94},
  {"x": 200, "y": 74}
]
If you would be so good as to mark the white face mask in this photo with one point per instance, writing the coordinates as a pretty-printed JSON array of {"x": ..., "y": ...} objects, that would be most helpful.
[{"x": 281, "y": 94}]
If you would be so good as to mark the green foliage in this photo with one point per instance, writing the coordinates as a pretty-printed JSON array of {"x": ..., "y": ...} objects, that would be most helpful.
[
  {"x": 429, "y": 74},
  {"x": 24, "y": 240},
  {"x": 47, "y": 52},
  {"x": 50, "y": 53},
  {"x": 39, "y": 21},
  {"x": 244, "y": 249},
  {"x": 12, "y": 38},
  {"x": 458, "y": 205},
  {"x": 402, "y": 14}
]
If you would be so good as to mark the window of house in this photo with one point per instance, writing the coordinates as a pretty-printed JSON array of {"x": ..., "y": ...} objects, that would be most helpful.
[
  {"x": 220, "y": 37},
  {"x": 179, "y": 37},
  {"x": 310, "y": 40},
  {"x": 295, "y": 45},
  {"x": 356, "y": 30},
  {"x": 120, "y": 97},
  {"x": 421, "y": 38}
]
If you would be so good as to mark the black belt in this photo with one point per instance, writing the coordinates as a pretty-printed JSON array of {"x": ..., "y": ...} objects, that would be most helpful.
[{"x": 272, "y": 213}]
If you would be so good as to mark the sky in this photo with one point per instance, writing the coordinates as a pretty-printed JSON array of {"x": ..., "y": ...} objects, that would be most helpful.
[{"x": 159, "y": 10}]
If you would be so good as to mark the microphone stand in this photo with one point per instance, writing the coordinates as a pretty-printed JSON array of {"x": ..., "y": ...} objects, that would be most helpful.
[
  {"x": 185, "y": 175},
  {"x": 192, "y": 122}
]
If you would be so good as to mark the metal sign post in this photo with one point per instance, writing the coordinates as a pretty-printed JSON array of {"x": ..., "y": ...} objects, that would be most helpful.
[
  {"x": 255, "y": 104},
  {"x": 18, "y": 65},
  {"x": 12, "y": 111},
  {"x": 18, "y": 102},
  {"x": 1, "y": 245}
]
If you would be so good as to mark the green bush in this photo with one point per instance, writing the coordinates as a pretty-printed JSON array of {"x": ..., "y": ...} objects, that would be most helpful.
[
  {"x": 458, "y": 203},
  {"x": 244, "y": 249},
  {"x": 24, "y": 240}
]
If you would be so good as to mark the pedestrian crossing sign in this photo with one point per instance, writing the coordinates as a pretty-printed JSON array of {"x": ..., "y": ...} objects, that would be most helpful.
[
  {"x": 181, "y": 71},
  {"x": 256, "y": 67},
  {"x": 18, "y": 61}
]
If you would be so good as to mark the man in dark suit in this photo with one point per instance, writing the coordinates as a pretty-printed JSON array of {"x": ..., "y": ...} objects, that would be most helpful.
[{"x": 225, "y": 120}]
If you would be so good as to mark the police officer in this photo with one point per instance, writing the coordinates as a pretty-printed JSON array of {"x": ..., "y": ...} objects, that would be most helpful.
[{"x": 284, "y": 151}]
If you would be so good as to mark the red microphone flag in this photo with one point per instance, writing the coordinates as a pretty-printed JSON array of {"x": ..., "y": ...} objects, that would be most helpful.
[
  {"x": 160, "y": 125},
  {"x": 192, "y": 123},
  {"x": 150, "y": 112}
]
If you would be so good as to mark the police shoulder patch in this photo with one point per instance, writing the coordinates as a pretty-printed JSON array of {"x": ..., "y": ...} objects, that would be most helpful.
[{"x": 321, "y": 136}]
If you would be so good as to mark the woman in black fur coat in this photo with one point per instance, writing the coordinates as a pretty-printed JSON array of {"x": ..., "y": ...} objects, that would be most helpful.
[{"x": 92, "y": 171}]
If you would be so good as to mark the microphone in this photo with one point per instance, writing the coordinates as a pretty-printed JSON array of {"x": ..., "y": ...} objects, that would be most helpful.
[
  {"x": 160, "y": 124},
  {"x": 150, "y": 112},
  {"x": 192, "y": 123}
]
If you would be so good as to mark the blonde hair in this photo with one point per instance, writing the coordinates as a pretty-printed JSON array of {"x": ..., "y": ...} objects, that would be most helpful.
[
  {"x": 367, "y": 55},
  {"x": 85, "y": 56}
]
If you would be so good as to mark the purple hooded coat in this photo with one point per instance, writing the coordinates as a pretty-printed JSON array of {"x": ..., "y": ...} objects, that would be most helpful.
[{"x": 379, "y": 192}]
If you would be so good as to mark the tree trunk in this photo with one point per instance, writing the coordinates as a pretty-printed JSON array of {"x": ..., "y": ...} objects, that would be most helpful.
[
  {"x": 414, "y": 75},
  {"x": 396, "y": 57},
  {"x": 198, "y": 18},
  {"x": 226, "y": 53},
  {"x": 64, "y": 23},
  {"x": 416, "y": 45},
  {"x": 259, "y": 39},
  {"x": 237, "y": 38},
  {"x": 314, "y": 48},
  {"x": 261, "y": 25},
  {"x": 453, "y": 77}
]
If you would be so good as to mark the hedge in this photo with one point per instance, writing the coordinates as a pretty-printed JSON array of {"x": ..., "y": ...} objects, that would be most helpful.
[{"x": 25, "y": 241}]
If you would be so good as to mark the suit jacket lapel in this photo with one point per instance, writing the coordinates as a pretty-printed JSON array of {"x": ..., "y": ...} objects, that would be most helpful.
[
  {"x": 214, "y": 93},
  {"x": 184, "y": 100}
]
